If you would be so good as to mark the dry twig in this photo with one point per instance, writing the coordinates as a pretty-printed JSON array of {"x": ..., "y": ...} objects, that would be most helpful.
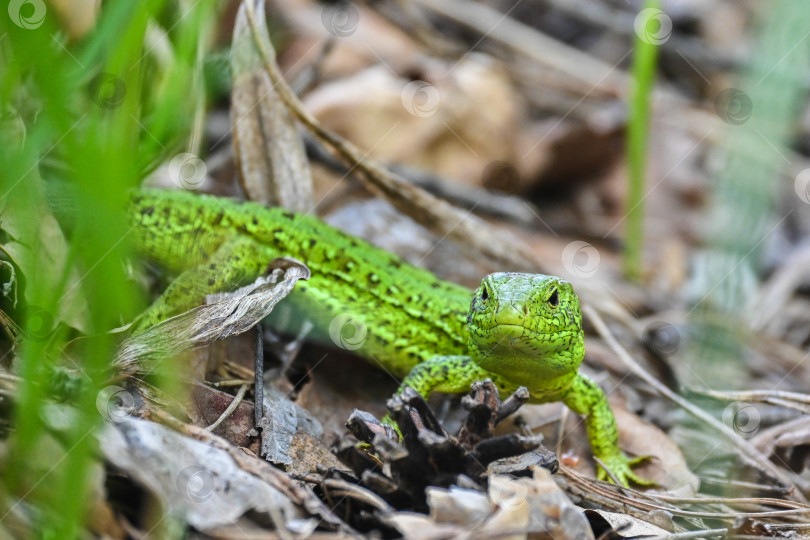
[{"x": 741, "y": 444}]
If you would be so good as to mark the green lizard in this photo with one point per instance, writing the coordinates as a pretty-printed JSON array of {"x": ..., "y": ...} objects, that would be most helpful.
[{"x": 521, "y": 329}]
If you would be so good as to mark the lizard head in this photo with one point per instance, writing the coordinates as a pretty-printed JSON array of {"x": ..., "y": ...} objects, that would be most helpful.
[{"x": 526, "y": 327}]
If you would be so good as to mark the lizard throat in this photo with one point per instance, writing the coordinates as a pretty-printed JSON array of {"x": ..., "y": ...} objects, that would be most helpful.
[{"x": 515, "y": 352}]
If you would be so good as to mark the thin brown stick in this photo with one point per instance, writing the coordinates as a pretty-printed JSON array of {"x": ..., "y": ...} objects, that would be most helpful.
[
  {"x": 779, "y": 288},
  {"x": 345, "y": 489},
  {"x": 790, "y": 400},
  {"x": 225, "y": 384},
  {"x": 240, "y": 395},
  {"x": 597, "y": 492},
  {"x": 741, "y": 444}
]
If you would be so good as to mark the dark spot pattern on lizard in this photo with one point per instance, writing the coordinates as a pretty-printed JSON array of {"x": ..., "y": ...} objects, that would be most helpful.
[{"x": 413, "y": 316}]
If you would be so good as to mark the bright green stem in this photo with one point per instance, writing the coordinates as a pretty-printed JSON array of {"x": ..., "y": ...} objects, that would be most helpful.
[{"x": 644, "y": 61}]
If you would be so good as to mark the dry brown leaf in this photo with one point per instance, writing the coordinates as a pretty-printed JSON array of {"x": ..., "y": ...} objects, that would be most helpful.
[
  {"x": 457, "y": 505},
  {"x": 415, "y": 526},
  {"x": 453, "y": 120},
  {"x": 309, "y": 454},
  {"x": 363, "y": 37},
  {"x": 668, "y": 467},
  {"x": 573, "y": 152},
  {"x": 272, "y": 163},
  {"x": 102, "y": 518},
  {"x": 206, "y": 406}
]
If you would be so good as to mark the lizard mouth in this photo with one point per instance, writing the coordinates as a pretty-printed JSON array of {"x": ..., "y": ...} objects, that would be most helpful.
[
  {"x": 514, "y": 331},
  {"x": 513, "y": 338},
  {"x": 527, "y": 332}
]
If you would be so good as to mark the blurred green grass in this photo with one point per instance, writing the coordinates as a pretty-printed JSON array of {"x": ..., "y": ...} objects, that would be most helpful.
[
  {"x": 759, "y": 119},
  {"x": 97, "y": 113}
]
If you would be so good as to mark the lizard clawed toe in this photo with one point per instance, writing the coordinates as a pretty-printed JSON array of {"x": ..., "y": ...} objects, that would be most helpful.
[{"x": 620, "y": 469}]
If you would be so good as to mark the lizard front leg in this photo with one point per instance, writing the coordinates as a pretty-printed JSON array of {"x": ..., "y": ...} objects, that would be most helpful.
[
  {"x": 586, "y": 398},
  {"x": 236, "y": 262},
  {"x": 451, "y": 374}
]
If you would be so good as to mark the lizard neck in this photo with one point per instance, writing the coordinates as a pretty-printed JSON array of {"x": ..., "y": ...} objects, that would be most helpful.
[{"x": 541, "y": 372}]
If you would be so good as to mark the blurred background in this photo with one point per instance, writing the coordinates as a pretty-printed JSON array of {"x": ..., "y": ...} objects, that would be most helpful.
[{"x": 656, "y": 154}]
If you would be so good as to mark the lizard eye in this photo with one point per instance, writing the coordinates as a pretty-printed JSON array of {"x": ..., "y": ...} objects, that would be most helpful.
[
  {"x": 484, "y": 293},
  {"x": 554, "y": 299}
]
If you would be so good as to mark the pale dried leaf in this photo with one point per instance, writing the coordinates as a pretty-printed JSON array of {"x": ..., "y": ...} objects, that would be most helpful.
[
  {"x": 514, "y": 508},
  {"x": 200, "y": 483},
  {"x": 229, "y": 314},
  {"x": 626, "y": 526},
  {"x": 465, "y": 507},
  {"x": 269, "y": 150},
  {"x": 535, "y": 506},
  {"x": 420, "y": 527}
]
